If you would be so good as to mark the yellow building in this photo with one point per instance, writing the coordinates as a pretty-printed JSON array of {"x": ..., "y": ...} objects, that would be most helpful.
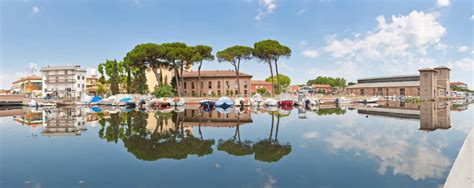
[
  {"x": 29, "y": 85},
  {"x": 167, "y": 77}
]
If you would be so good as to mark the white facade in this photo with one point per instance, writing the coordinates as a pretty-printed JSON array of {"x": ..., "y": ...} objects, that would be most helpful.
[{"x": 64, "y": 81}]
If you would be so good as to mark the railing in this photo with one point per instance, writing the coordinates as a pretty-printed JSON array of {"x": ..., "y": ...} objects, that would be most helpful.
[{"x": 60, "y": 81}]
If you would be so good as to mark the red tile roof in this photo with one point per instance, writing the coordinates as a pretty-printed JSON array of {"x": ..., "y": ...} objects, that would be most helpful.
[
  {"x": 32, "y": 77},
  {"x": 260, "y": 82},
  {"x": 215, "y": 73},
  {"x": 321, "y": 86}
]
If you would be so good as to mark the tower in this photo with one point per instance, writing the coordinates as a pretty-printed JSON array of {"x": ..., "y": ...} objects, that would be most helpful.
[
  {"x": 443, "y": 81},
  {"x": 428, "y": 84}
]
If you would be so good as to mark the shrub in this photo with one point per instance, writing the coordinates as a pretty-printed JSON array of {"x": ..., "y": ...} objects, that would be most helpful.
[
  {"x": 262, "y": 91},
  {"x": 163, "y": 91}
]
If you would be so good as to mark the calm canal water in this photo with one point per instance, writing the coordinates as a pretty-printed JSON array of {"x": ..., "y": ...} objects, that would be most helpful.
[{"x": 390, "y": 145}]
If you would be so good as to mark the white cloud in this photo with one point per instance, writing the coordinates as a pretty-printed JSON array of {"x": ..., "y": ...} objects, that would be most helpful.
[
  {"x": 405, "y": 37},
  {"x": 441, "y": 46},
  {"x": 35, "y": 10},
  {"x": 463, "y": 48},
  {"x": 312, "y": 135},
  {"x": 443, "y": 3},
  {"x": 465, "y": 64},
  {"x": 92, "y": 72},
  {"x": 268, "y": 7},
  {"x": 472, "y": 18},
  {"x": 300, "y": 12},
  {"x": 311, "y": 53},
  {"x": 303, "y": 43}
]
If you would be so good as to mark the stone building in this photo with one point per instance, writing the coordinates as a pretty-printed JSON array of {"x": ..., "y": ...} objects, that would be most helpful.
[
  {"x": 258, "y": 84},
  {"x": 428, "y": 84},
  {"x": 215, "y": 83}
]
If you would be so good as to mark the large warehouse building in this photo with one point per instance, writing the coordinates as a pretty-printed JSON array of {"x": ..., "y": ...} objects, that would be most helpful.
[{"x": 429, "y": 84}]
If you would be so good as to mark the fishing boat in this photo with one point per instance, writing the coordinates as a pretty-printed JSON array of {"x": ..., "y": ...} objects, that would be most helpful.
[
  {"x": 224, "y": 102},
  {"x": 271, "y": 102},
  {"x": 177, "y": 102},
  {"x": 343, "y": 100}
]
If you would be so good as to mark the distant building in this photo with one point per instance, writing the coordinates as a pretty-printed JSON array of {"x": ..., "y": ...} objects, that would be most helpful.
[
  {"x": 294, "y": 88},
  {"x": 429, "y": 84},
  {"x": 29, "y": 85},
  {"x": 217, "y": 83},
  {"x": 325, "y": 88},
  {"x": 63, "y": 81},
  {"x": 92, "y": 83},
  {"x": 257, "y": 84},
  {"x": 458, "y": 84}
]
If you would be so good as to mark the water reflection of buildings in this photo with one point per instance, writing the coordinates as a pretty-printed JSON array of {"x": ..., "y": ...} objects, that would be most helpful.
[
  {"x": 196, "y": 117},
  {"x": 432, "y": 115},
  {"x": 64, "y": 122}
]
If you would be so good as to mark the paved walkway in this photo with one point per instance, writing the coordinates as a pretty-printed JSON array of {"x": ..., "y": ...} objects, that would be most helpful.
[{"x": 460, "y": 175}]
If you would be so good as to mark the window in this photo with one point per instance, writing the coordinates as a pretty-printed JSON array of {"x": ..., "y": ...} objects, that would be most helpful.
[
  {"x": 218, "y": 84},
  {"x": 219, "y": 92},
  {"x": 209, "y": 84},
  {"x": 227, "y": 86},
  {"x": 83, "y": 86},
  {"x": 78, "y": 77},
  {"x": 227, "y": 92},
  {"x": 245, "y": 84},
  {"x": 236, "y": 85},
  {"x": 245, "y": 92},
  {"x": 361, "y": 91},
  {"x": 192, "y": 85},
  {"x": 402, "y": 91},
  {"x": 185, "y": 85},
  {"x": 82, "y": 77},
  {"x": 202, "y": 84},
  {"x": 78, "y": 85}
]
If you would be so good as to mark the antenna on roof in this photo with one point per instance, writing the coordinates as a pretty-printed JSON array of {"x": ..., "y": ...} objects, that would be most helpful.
[{"x": 32, "y": 68}]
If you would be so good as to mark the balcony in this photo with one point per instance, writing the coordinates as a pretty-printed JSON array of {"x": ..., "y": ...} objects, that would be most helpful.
[{"x": 56, "y": 81}]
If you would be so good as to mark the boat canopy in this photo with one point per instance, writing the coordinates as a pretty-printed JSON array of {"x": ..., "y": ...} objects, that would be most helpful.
[
  {"x": 96, "y": 99},
  {"x": 96, "y": 109},
  {"x": 125, "y": 99}
]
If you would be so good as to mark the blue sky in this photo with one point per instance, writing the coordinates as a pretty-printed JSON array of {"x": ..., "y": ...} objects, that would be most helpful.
[{"x": 346, "y": 38}]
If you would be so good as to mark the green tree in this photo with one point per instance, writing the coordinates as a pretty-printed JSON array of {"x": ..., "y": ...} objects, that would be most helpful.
[
  {"x": 270, "y": 51},
  {"x": 262, "y": 91},
  {"x": 234, "y": 55},
  {"x": 173, "y": 55},
  {"x": 150, "y": 55},
  {"x": 334, "y": 82},
  {"x": 114, "y": 71},
  {"x": 163, "y": 91},
  {"x": 284, "y": 80},
  {"x": 204, "y": 53}
]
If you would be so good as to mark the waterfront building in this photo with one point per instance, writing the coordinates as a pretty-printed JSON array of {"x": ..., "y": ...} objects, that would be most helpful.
[
  {"x": 294, "y": 88},
  {"x": 64, "y": 122},
  {"x": 458, "y": 84},
  {"x": 92, "y": 83},
  {"x": 28, "y": 85},
  {"x": 63, "y": 81},
  {"x": 428, "y": 84},
  {"x": 321, "y": 88},
  {"x": 258, "y": 84},
  {"x": 166, "y": 76},
  {"x": 215, "y": 83}
]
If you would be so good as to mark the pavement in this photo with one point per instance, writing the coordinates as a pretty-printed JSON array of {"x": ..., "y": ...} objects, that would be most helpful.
[{"x": 461, "y": 173}]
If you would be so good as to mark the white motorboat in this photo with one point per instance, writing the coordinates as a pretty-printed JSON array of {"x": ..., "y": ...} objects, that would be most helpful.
[
  {"x": 370, "y": 100},
  {"x": 343, "y": 100},
  {"x": 108, "y": 101},
  {"x": 271, "y": 102},
  {"x": 224, "y": 102}
]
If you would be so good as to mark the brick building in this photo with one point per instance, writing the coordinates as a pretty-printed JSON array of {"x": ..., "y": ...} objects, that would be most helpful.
[
  {"x": 257, "y": 84},
  {"x": 428, "y": 84},
  {"x": 215, "y": 83}
]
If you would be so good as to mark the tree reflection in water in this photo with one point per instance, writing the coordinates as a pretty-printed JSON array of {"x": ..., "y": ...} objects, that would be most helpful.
[
  {"x": 169, "y": 139},
  {"x": 234, "y": 146},
  {"x": 271, "y": 150},
  {"x": 174, "y": 143}
]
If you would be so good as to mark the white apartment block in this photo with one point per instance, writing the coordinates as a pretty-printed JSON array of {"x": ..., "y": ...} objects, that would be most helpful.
[{"x": 63, "y": 81}]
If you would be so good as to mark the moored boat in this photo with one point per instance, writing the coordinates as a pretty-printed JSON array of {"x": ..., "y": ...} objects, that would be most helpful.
[
  {"x": 271, "y": 102},
  {"x": 224, "y": 102},
  {"x": 343, "y": 100},
  {"x": 286, "y": 103}
]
